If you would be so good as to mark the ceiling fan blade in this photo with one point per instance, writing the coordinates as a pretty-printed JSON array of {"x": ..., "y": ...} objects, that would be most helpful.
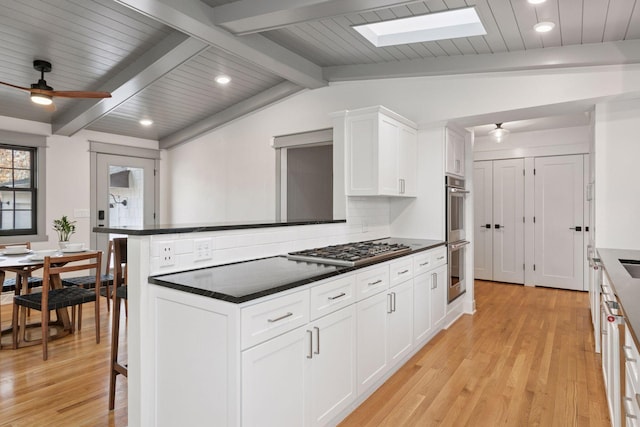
[
  {"x": 75, "y": 93},
  {"x": 14, "y": 86}
]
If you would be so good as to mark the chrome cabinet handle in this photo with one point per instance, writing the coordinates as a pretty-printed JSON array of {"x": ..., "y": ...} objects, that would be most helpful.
[
  {"x": 434, "y": 280},
  {"x": 440, "y": 257},
  {"x": 375, "y": 283},
  {"x": 284, "y": 316},
  {"x": 393, "y": 302},
  {"x": 402, "y": 185},
  {"x": 457, "y": 190},
  {"x": 402, "y": 272},
  {"x": 340, "y": 295},
  {"x": 628, "y": 355},
  {"x": 317, "y": 340},
  {"x": 389, "y": 306},
  {"x": 310, "y": 354},
  {"x": 424, "y": 263},
  {"x": 457, "y": 165}
]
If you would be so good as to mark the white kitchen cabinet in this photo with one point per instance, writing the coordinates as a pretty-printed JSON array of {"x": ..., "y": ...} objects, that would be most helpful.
[
  {"x": 454, "y": 153},
  {"x": 304, "y": 377},
  {"x": 332, "y": 377},
  {"x": 381, "y": 151},
  {"x": 372, "y": 339},
  {"x": 274, "y": 381},
  {"x": 438, "y": 294},
  {"x": 400, "y": 322},
  {"x": 421, "y": 307}
]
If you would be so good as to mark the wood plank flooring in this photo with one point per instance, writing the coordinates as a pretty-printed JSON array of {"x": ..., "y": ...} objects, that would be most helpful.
[
  {"x": 69, "y": 389},
  {"x": 524, "y": 359}
]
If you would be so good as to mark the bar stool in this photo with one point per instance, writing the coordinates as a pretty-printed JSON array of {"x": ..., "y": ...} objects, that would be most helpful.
[{"x": 119, "y": 294}]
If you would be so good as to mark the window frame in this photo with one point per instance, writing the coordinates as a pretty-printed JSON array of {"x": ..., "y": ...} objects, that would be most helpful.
[{"x": 18, "y": 140}]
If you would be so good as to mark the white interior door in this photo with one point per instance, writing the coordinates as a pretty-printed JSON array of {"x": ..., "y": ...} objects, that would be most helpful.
[
  {"x": 508, "y": 221},
  {"x": 483, "y": 219},
  {"x": 559, "y": 226},
  {"x": 125, "y": 194}
]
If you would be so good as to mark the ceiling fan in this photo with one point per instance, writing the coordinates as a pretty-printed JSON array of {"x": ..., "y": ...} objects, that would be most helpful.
[{"x": 43, "y": 94}]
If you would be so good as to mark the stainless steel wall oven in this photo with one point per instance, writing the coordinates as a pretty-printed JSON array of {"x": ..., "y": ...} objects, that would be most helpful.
[{"x": 456, "y": 243}]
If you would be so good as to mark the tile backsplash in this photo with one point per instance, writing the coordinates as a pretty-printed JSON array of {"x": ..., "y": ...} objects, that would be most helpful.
[{"x": 367, "y": 219}]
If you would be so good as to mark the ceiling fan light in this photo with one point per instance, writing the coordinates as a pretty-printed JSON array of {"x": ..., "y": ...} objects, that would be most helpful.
[
  {"x": 499, "y": 134},
  {"x": 222, "y": 79},
  {"x": 544, "y": 26},
  {"x": 41, "y": 99}
]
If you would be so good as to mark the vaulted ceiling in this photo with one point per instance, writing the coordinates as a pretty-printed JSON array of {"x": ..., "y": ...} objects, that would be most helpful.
[{"x": 159, "y": 58}]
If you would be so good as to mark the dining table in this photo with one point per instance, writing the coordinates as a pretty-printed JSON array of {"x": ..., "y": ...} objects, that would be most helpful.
[{"x": 23, "y": 265}]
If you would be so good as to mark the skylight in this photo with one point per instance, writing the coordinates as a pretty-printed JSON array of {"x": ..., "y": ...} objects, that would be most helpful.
[{"x": 449, "y": 24}]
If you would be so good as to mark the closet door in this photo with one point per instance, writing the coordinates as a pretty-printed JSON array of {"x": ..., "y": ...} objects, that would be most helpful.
[
  {"x": 483, "y": 219},
  {"x": 508, "y": 221},
  {"x": 559, "y": 227}
]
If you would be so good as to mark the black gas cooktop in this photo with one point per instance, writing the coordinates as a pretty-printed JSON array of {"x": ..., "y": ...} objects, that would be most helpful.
[{"x": 350, "y": 254}]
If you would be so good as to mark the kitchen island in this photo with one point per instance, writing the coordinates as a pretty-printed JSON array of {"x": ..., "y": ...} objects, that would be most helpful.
[
  {"x": 174, "y": 332},
  {"x": 620, "y": 327}
]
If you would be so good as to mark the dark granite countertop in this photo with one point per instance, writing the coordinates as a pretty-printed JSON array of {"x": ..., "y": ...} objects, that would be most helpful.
[
  {"x": 248, "y": 280},
  {"x": 148, "y": 230},
  {"x": 626, "y": 288}
]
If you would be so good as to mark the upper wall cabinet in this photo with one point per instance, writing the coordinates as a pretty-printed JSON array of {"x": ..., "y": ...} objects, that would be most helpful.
[
  {"x": 381, "y": 150},
  {"x": 454, "y": 153}
]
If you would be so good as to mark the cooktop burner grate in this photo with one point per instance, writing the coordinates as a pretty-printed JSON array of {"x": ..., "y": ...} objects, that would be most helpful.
[{"x": 350, "y": 254}]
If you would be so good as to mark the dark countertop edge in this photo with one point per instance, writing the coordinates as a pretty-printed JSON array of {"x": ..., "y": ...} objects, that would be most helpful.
[
  {"x": 177, "y": 228},
  {"x": 626, "y": 288},
  {"x": 156, "y": 280}
]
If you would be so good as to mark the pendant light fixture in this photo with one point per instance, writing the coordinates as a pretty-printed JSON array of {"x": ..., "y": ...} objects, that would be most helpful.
[{"x": 499, "y": 134}]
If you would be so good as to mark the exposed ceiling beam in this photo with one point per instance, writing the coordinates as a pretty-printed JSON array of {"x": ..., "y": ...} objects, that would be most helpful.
[
  {"x": 252, "y": 16},
  {"x": 172, "y": 51},
  {"x": 195, "y": 18},
  {"x": 242, "y": 108},
  {"x": 612, "y": 53}
]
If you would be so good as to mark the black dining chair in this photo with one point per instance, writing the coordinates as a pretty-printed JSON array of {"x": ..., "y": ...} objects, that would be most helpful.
[
  {"x": 120, "y": 293},
  {"x": 89, "y": 282},
  {"x": 54, "y": 296}
]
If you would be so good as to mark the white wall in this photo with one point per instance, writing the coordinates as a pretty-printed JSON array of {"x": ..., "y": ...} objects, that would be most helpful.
[
  {"x": 67, "y": 178},
  {"x": 229, "y": 174},
  {"x": 617, "y": 175}
]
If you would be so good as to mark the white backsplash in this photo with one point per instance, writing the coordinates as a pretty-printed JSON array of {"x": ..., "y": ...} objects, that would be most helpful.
[{"x": 367, "y": 219}]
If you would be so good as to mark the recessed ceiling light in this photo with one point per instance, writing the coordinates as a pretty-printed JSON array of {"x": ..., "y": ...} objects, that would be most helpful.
[
  {"x": 449, "y": 24},
  {"x": 222, "y": 79},
  {"x": 544, "y": 27},
  {"x": 536, "y": 1},
  {"x": 146, "y": 122}
]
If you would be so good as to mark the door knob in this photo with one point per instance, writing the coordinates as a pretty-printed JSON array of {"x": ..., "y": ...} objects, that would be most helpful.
[
  {"x": 486, "y": 226},
  {"x": 576, "y": 228},
  {"x": 498, "y": 226}
]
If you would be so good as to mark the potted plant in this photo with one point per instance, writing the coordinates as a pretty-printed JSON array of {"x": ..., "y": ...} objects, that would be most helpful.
[{"x": 65, "y": 229}]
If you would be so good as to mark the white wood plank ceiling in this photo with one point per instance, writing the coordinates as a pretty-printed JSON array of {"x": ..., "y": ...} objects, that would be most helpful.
[{"x": 158, "y": 58}]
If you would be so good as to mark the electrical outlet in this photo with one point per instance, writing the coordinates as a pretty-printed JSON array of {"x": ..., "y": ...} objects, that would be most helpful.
[
  {"x": 167, "y": 253},
  {"x": 202, "y": 249}
]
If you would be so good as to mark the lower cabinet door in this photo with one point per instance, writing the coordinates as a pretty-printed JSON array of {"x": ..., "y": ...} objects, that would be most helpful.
[
  {"x": 332, "y": 379},
  {"x": 400, "y": 324},
  {"x": 440, "y": 282},
  {"x": 372, "y": 339},
  {"x": 421, "y": 306},
  {"x": 274, "y": 377}
]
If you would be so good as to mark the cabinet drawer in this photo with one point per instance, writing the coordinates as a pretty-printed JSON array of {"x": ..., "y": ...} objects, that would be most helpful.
[
  {"x": 372, "y": 281},
  {"x": 332, "y": 296},
  {"x": 439, "y": 256},
  {"x": 266, "y": 320},
  {"x": 400, "y": 270},
  {"x": 422, "y": 262}
]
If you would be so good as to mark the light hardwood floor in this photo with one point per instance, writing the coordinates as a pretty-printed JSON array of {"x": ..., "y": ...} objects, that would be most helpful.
[{"x": 524, "y": 359}]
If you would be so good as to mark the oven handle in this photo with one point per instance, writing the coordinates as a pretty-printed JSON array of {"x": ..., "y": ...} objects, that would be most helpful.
[
  {"x": 457, "y": 245},
  {"x": 457, "y": 190}
]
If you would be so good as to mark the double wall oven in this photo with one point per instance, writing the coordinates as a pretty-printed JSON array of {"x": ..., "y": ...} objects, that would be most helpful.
[{"x": 456, "y": 243}]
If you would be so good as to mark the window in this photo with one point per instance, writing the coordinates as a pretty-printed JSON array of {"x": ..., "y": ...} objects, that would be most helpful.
[
  {"x": 18, "y": 204},
  {"x": 22, "y": 187}
]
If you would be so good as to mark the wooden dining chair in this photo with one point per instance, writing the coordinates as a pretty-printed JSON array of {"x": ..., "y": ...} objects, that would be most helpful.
[
  {"x": 54, "y": 296},
  {"x": 28, "y": 280},
  {"x": 119, "y": 294}
]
